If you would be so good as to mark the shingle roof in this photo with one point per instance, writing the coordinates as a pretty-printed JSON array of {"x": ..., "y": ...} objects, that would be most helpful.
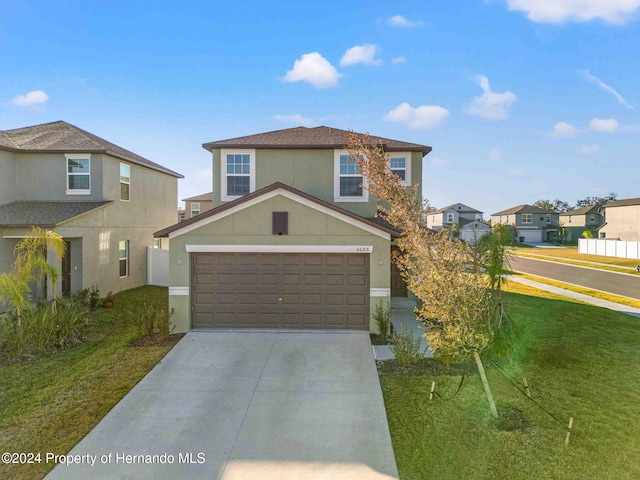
[
  {"x": 205, "y": 197},
  {"x": 470, "y": 210},
  {"x": 582, "y": 211},
  {"x": 303, "y": 137},
  {"x": 43, "y": 214},
  {"x": 523, "y": 209},
  {"x": 274, "y": 186},
  {"x": 623, "y": 203},
  {"x": 63, "y": 137}
]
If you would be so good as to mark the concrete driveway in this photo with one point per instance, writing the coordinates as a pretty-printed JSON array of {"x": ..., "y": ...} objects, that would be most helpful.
[{"x": 247, "y": 405}]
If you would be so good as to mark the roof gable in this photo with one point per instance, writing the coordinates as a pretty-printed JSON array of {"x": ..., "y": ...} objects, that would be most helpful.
[
  {"x": 310, "y": 138},
  {"x": 44, "y": 214},
  {"x": 63, "y": 137},
  {"x": 523, "y": 209},
  {"x": 454, "y": 206},
  {"x": 623, "y": 203},
  {"x": 269, "y": 192},
  {"x": 582, "y": 211},
  {"x": 205, "y": 197}
]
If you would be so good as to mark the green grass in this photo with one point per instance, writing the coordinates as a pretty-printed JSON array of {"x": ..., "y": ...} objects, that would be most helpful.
[
  {"x": 571, "y": 256},
  {"x": 49, "y": 403},
  {"x": 579, "y": 361}
]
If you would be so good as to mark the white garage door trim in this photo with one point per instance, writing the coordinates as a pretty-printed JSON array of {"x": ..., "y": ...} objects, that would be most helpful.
[{"x": 279, "y": 248}]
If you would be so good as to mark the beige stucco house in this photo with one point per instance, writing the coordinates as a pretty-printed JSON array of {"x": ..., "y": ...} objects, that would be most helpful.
[
  {"x": 622, "y": 220},
  {"x": 196, "y": 205},
  {"x": 292, "y": 241},
  {"x": 105, "y": 201}
]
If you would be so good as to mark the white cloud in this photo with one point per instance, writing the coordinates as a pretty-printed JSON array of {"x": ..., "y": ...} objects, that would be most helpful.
[
  {"x": 424, "y": 117},
  {"x": 491, "y": 105},
  {"x": 31, "y": 98},
  {"x": 400, "y": 21},
  {"x": 360, "y": 54},
  {"x": 608, "y": 125},
  {"x": 313, "y": 68},
  {"x": 398, "y": 60},
  {"x": 516, "y": 172},
  {"x": 494, "y": 154},
  {"x": 564, "y": 130},
  {"x": 607, "y": 88},
  {"x": 295, "y": 119},
  {"x": 438, "y": 162},
  {"x": 587, "y": 149},
  {"x": 559, "y": 11}
]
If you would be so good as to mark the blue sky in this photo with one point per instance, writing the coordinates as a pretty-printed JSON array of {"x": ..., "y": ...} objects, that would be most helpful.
[{"x": 520, "y": 99}]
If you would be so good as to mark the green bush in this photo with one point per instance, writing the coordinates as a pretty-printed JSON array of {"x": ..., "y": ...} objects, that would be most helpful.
[
  {"x": 151, "y": 320},
  {"x": 405, "y": 347},
  {"x": 382, "y": 317},
  {"x": 40, "y": 325},
  {"x": 69, "y": 316},
  {"x": 14, "y": 338}
]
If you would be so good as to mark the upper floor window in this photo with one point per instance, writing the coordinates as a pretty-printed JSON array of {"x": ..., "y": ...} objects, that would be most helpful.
[
  {"x": 478, "y": 217},
  {"x": 195, "y": 209},
  {"x": 527, "y": 218},
  {"x": 592, "y": 219},
  {"x": 238, "y": 173},
  {"x": 78, "y": 174},
  {"x": 548, "y": 218},
  {"x": 450, "y": 217},
  {"x": 349, "y": 184},
  {"x": 125, "y": 181}
]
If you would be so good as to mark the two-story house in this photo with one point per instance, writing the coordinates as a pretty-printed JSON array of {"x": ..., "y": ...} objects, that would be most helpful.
[
  {"x": 105, "y": 201},
  {"x": 292, "y": 241},
  {"x": 466, "y": 220},
  {"x": 622, "y": 220},
  {"x": 196, "y": 205},
  {"x": 575, "y": 222},
  {"x": 533, "y": 224}
]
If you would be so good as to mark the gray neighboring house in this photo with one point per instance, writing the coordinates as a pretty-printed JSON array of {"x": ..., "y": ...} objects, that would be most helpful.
[
  {"x": 533, "y": 224},
  {"x": 575, "y": 222},
  {"x": 196, "y": 205},
  {"x": 105, "y": 202},
  {"x": 469, "y": 221},
  {"x": 292, "y": 241},
  {"x": 622, "y": 220}
]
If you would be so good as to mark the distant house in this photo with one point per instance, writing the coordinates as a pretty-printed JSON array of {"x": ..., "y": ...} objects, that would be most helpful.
[
  {"x": 196, "y": 205},
  {"x": 575, "y": 222},
  {"x": 457, "y": 213},
  {"x": 533, "y": 224},
  {"x": 472, "y": 232},
  {"x": 622, "y": 220},
  {"x": 104, "y": 201}
]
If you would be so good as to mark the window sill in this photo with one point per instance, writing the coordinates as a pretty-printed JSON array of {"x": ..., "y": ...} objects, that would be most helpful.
[
  {"x": 78, "y": 192},
  {"x": 350, "y": 199}
]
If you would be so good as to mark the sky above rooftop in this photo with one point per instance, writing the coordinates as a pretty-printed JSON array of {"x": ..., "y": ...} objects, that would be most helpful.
[{"x": 520, "y": 100}]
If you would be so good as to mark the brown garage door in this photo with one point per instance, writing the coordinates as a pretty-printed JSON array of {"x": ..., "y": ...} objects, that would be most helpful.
[{"x": 280, "y": 290}]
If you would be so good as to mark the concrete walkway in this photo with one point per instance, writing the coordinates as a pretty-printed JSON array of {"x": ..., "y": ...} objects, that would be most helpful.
[
  {"x": 618, "y": 307},
  {"x": 247, "y": 405}
]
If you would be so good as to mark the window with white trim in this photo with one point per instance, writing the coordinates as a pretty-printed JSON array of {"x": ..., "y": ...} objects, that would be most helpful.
[
  {"x": 527, "y": 218},
  {"x": 195, "y": 209},
  {"x": 400, "y": 164},
  {"x": 548, "y": 218},
  {"x": 450, "y": 217},
  {"x": 125, "y": 182},
  {"x": 238, "y": 173},
  {"x": 78, "y": 174},
  {"x": 349, "y": 183},
  {"x": 478, "y": 217},
  {"x": 123, "y": 257}
]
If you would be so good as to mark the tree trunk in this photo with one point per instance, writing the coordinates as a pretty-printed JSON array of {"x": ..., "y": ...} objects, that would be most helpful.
[{"x": 485, "y": 382}]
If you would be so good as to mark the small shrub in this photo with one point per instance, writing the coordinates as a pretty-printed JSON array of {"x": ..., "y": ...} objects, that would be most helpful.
[
  {"x": 382, "y": 317},
  {"x": 151, "y": 320},
  {"x": 40, "y": 325},
  {"x": 405, "y": 347},
  {"x": 94, "y": 297},
  {"x": 165, "y": 328},
  {"x": 68, "y": 318},
  {"x": 14, "y": 339}
]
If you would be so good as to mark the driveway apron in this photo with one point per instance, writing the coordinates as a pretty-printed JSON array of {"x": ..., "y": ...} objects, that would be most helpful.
[{"x": 247, "y": 405}]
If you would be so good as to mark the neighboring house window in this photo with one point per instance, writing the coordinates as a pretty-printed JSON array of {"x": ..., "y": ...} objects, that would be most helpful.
[
  {"x": 569, "y": 218},
  {"x": 450, "y": 218},
  {"x": 125, "y": 181},
  {"x": 157, "y": 243},
  {"x": 400, "y": 164},
  {"x": 78, "y": 174},
  {"x": 479, "y": 217},
  {"x": 592, "y": 219},
  {"x": 238, "y": 173},
  {"x": 123, "y": 255},
  {"x": 548, "y": 218},
  {"x": 527, "y": 218},
  {"x": 349, "y": 183},
  {"x": 195, "y": 209},
  {"x": 603, "y": 235}
]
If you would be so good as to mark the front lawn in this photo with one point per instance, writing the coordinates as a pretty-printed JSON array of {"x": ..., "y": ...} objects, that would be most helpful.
[
  {"x": 571, "y": 256},
  {"x": 579, "y": 361},
  {"x": 49, "y": 403}
]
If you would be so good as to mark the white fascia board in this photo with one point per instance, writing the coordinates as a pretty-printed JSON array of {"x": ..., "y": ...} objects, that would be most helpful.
[
  {"x": 380, "y": 292},
  {"x": 179, "y": 291},
  {"x": 291, "y": 196},
  {"x": 279, "y": 248}
]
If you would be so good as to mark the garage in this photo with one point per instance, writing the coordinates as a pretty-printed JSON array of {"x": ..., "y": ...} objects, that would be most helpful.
[
  {"x": 530, "y": 236},
  {"x": 280, "y": 290}
]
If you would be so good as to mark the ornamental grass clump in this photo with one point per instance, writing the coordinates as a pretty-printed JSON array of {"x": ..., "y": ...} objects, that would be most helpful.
[{"x": 405, "y": 347}]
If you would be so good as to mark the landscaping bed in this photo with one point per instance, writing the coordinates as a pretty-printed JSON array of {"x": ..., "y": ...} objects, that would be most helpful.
[
  {"x": 50, "y": 402},
  {"x": 579, "y": 361}
]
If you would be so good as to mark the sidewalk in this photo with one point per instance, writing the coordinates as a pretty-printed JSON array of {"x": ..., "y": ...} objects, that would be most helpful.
[{"x": 598, "y": 302}]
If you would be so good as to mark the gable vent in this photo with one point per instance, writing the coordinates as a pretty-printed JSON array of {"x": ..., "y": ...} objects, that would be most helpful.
[{"x": 280, "y": 222}]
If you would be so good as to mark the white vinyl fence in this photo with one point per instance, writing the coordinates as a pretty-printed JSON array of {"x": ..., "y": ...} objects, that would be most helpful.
[
  {"x": 609, "y": 248},
  {"x": 157, "y": 267}
]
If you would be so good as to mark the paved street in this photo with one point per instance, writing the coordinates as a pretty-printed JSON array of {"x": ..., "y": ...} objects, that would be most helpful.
[{"x": 624, "y": 284}]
